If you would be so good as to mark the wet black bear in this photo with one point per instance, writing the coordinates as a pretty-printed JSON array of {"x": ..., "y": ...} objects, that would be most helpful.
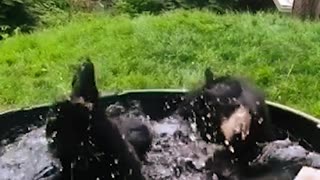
[
  {"x": 88, "y": 145},
  {"x": 231, "y": 111},
  {"x": 130, "y": 122}
]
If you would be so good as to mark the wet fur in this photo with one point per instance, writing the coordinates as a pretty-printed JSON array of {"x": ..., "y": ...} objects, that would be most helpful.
[
  {"x": 130, "y": 123},
  {"x": 216, "y": 101},
  {"x": 81, "y": 129}
]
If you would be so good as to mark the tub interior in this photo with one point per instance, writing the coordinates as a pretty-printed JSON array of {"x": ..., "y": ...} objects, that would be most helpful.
[{"x": 16, "y": 127}]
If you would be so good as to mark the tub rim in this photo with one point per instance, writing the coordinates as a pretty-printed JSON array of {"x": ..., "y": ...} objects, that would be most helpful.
[{"x": 107, "y": 94}]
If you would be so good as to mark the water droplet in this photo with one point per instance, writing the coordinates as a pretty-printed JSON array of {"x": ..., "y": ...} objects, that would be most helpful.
[
  {"x": 208, "y": 115},
  {"x": 226, "y": 142},
  {"x": 130, "y": 171},
  {"x": 208, "y": 136},
  {"x": 192, "y": 137},
  {"x": 91, "y": 143},
  {"x": 193, "y": 127},
  {"x": 194, "y": 119},
  {"x": 257, "y": 103},
  {"x": 72, "y": 165},
  {"x": 214, "y": 133},
  {"x": 54, "y": 134},
  {"x": 203, "y": 118},
  {"x": 260, "y": 120},
  {"x": 116, "y": 161},
  {"x": 50, "y": 140},
  {"x": 167, "y": 105},
  {"x": 231, "y": 149},
  {"x": 112, "y": 176}
]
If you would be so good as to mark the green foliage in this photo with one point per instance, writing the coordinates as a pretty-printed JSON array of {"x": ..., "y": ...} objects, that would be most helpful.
[
  {"x": 166, "y": 51},
  {"x": 25, "y": 15},
  {"x": 15, "y": 14},
  {"x": 156, "y": 6},
  {"x": 61, "y": 4},
  {"x": 138, "y": 6},
  {"x": 51, "y": 12}
]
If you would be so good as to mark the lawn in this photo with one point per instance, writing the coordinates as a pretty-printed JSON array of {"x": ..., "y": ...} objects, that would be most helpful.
[{"x": 280, "y": 54}]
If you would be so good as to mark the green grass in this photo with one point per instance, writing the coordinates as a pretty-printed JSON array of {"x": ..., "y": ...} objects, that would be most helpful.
[{"x": 280, "y": 54}]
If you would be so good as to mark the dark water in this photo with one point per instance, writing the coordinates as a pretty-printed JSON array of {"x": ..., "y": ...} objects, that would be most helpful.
[{"x": 177, "y": 152}]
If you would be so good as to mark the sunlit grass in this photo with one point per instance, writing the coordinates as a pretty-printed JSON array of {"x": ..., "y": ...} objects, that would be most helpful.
[{"x": 280, "y": 54}]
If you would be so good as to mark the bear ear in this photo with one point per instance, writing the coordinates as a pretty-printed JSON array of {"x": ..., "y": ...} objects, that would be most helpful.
[
  {"x": 84, "y": 84},
  {"x": 208, "y": 75}
]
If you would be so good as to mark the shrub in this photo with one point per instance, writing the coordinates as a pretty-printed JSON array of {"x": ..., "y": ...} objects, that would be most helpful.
[
  {"x": 138, "y": 6},
  {"x": 15, "y": 14},
  {"x": 156, "y": 6}
]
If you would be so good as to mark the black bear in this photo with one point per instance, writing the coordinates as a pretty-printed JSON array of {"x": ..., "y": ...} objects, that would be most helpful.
[
  {"x": 131, "y": 122},
  {"x": 231, "y": 111},
  {"x": 88, "y": 145}
]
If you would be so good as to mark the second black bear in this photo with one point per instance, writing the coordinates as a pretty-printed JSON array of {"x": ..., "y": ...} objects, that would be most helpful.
[{"x": 231, "y": 111}]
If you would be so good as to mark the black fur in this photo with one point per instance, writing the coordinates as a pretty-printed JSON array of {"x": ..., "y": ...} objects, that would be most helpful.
[
  {"x": 88, "y": 145},
  {"x": 220, "y": 97},
  {"x": 84, "y": 84},
  {"x": 67, "y": 132},
  {"x": 130, "y": 124}
]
